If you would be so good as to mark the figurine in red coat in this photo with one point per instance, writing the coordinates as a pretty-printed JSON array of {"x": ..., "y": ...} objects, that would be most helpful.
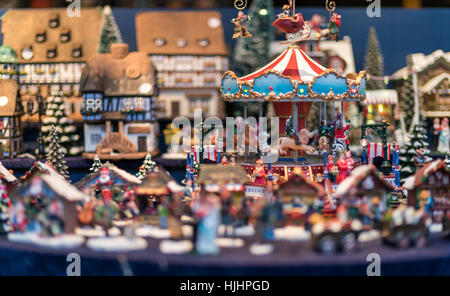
[
  {"x": 343, "y": 168},
  {"x": 259, "y": 173},
  {"x": 339, "y": 132}
]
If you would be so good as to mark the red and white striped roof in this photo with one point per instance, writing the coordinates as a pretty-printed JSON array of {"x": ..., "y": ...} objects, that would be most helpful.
[{"x": 294, "y": 63}]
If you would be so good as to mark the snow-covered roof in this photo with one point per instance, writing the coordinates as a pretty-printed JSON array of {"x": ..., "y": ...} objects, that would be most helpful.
[
  {"x": 348, "y": 182},
  {"x": 6, "y": 174},
  {"x": 174, "y": 187},
  {"x": 49, "y": 169},
  {"x": 409, "y": 182},
  {"x": 433, "y": 82},
  {"x": 422, "y": 174},
  {"x": 123, "y": 174},
  {"x": 64, "y": 188},
  {"x": 421, "y": 61}
]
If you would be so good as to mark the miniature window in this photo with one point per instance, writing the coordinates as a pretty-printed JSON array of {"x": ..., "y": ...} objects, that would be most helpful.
[
  {"x": 51, "y": 53},
  {"x": 77, "y": 52},
  {"x": 96, "y": 138},
  {"x": 181, "y": 42},
  {"x": 65, "y": 35},
  {"x": 204, "y": 42},
  {"x": 53, "y": 22},
  {"x": 160, "y": 41},
  {"x": 139, "y": 103},
  {"x": 41, "y": 36},
  {"x": 27, "y": 53}
]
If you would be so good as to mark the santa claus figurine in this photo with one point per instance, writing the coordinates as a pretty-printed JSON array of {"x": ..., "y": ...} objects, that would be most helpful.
[
  {"x": 343, "y": 168},
  {"x": 105, "y": 177}
]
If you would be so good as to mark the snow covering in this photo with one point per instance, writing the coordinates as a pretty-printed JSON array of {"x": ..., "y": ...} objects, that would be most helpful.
[
  {"x": 65, "y": 241},
  {"x": 6, "y": 174},
  {"x": 49, "y": 170},
  {"x": 227, "y": 242},
  {"x": 117, "y": 244},
  {"x": 292, "y": 233},
  {"x": 125, "y": 175},
  {"x": 433, "y": 82},
  {"x": 261, "y": 249},
  {"x": 64, "y": 188},
  {"x": 421, "y": 61},
  {"x": 175, "y": 247},
  {"x": 348, "y": 182}
]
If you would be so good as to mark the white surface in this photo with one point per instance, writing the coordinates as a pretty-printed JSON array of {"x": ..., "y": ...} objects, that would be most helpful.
[
  {"x": 117, "y": 244},
  {"x": 226, "y": 242},
  {"x": 261, "y": 249},
  {"x": 97, "y": 231},
  {"x": 175, "y": 247},
  {"x": 247, "y": 230},
  {"x": 292, "y": 233},
  {"x": 63, "y": 188},
  {"x": 59, "y": 242},
  {"x": 369, "y": 235}
]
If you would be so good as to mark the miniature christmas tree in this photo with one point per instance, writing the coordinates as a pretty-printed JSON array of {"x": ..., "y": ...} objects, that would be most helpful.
[
  {"x": 56, "y": 116},
  {"x": 5, "y": 204},
  {"x": 147, "y": 166},
  {"x": 109, "y": 33},
  {"x": 374, "y": 61},
  {"x": 250, "y": 53},
  {"x": 406, "y": 98},
  {"x": 96, "y": 165},
  {"x": 56, "y": 154},
  {"x": 417, "y": 140},
  {"x": 447, "y": 160}
]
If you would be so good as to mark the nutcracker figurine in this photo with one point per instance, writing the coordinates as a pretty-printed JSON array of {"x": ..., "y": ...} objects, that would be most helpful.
[{"x": 240, "y": 25}]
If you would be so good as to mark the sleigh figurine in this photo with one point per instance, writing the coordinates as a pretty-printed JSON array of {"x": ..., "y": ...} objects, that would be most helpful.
[{"x": 295, "y": 27}]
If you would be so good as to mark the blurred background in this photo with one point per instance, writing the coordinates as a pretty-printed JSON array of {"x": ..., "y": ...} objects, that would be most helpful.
[{"x": 205, "y": 4}]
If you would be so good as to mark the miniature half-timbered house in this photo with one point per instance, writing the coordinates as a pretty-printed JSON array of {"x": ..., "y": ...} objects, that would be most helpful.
[
  {"x": 52, "y": 48},
  {"x": 107, "y": 177},
  {"x": 11, "y": 140},
  {"x": 365, "y": 184},
  {"x": 432, "y": 181},
  {"x": 118, "y": 90},
  {"x": 188, "y": 50},
  {"x": 57, "y": 200}
]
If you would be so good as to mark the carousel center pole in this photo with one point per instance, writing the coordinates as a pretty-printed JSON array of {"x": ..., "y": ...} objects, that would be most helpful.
[
  {"x": 325, "y": 167},
  {"x": 245, "y": 130},
  {"x": 295, "y": 118}
]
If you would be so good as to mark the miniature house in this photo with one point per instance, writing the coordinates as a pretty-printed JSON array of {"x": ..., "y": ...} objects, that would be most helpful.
[
  {"x": 8, "y": 179},
  {"x": 300, "y": 186},
  {"x": 365, "y": 182},
  {"x": 11, "y": 139},
  {"x": 433, "y": 79},
  {"x": 188, "y": 50},
  {"x": 214, "y": 178},
  {"x": 118, "y": 90},
  {"x": 52, "y": 49},
  {"x": 58, "y": 197},
  {"x": 432, "y": 180},
  {"x": 107, "y": 176}
]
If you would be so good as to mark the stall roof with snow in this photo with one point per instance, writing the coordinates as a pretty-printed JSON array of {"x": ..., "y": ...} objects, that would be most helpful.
[
  {"x": 433, "y": 175},
  {"x": 299, "y": 183},
  {"x": 363, "y": 179},
  {"x": 158, "y": 182},
  {"x": 6, "y": 175},
  {"x": 41, "y": 167},
  {"x": 118, "y": 177}
]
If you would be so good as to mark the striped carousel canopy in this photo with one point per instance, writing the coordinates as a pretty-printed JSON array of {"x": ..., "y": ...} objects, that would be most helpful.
[{"x": 293, "y": 76}]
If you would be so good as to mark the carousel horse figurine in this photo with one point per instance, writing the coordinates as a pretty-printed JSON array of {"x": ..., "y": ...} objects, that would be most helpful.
[{"x": 289, "y": 143}]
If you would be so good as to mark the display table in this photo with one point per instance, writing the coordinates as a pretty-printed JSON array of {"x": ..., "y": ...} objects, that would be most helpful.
[{"x": 289, "y": 258}]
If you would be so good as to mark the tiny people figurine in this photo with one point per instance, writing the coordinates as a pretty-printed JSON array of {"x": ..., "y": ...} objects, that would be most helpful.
[
  {"x": 163, "y": 212},
  {"x": 339, "y": 132},
  {"x": 176, "y": 209},
  {"x": 444, "y": 137},
  {"x": 436, "y": 132},
  {"x": 207, "y": 211},
  {"x": 240, "y": 25},
  {"x": 332, "y": 168},
  {"x": 343, "y": 168},
  {"x": 350, "y": 161},
  {"x": 419, "y": 159},
  {"x": 259, "y": 173}
]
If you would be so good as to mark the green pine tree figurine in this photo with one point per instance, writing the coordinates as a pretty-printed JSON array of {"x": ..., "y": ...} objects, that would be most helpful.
[
  {"x": 55, "y": 154},
  {"x": 417, "y": 140},
  {"x": 56, "y": 116},
  {"x": 5, "y": 204},
  {"x": 373, "y": 63},
  {"x": 109, "y": 32},
  {"x": 406, "y": 98},
  {"x": 96, "y": 165},
  {"x": 147, "y": 166},
  {"x": 251, "y": 53}
]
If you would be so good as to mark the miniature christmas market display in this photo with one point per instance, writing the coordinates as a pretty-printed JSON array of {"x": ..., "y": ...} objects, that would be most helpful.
[
  {"x": 5, "y": 208},
  {"x": 8, "y": 179},
  {"x": 40, "y": 167},
  {"x": 118, "y": 91}
]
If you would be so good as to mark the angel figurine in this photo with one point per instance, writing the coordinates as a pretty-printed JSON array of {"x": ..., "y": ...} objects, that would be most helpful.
[{"x": 240, "y": 25}]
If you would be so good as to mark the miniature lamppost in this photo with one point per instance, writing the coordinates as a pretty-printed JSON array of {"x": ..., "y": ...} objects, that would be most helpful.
[
  {"x": 42, "y": 106},
  {"x": 380, "y": 130},
  {"x": 364, "y": 145}
]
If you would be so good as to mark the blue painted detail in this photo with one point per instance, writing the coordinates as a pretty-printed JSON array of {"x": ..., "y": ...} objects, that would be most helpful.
[
  {"x": 330, "y": 82},
  {"x": 272, "y": 82},
  {"x": 362, "y": 86},
  {"x": 230, "y": 86},
  {"x": 302, "y": 90},
  {"x": 245, "y": 90}
]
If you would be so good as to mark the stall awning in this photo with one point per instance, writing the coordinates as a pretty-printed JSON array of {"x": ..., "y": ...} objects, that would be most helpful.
[{"x": 383, "y": 96}]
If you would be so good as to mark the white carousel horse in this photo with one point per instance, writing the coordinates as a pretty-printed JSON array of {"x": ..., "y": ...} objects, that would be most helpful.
[{"x": 339, "y": 145}]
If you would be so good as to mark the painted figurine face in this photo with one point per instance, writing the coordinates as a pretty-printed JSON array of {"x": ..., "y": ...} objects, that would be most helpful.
[{"x": 104, "y": 176}]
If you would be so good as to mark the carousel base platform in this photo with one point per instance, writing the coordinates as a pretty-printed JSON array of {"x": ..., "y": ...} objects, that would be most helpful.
[{"x": 288, "y": 258}]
